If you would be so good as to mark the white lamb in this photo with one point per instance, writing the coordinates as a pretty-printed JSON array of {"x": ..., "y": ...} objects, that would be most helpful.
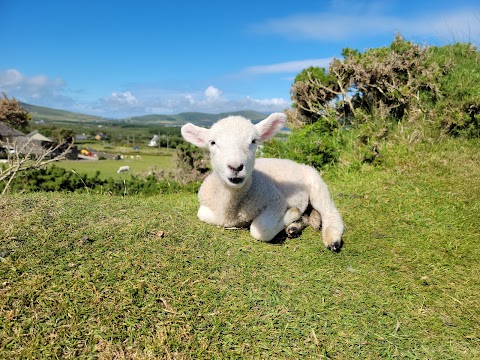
[
  {"x": 268, "y": 194},
  {"x": 123, "y": 169}
]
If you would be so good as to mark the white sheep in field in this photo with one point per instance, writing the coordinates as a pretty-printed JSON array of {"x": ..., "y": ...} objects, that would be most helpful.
[
  {"x": 268, "y": 194},
  {"x": 123, "y": 169}
]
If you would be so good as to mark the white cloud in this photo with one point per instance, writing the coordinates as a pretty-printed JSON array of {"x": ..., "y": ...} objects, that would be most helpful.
[
  {"x": 210, "y": 100},
  {"x": 288, "y": 67},
  {"x": 454, "y": 26},
  {"x": 333, "y": 25},
  {"x": 38, "y": 88},
  {"x": 138, "y": 100},
  {"x": 121, "y": 99},
  {"x": 10, "y": 78},
  {"x": 266, "y": 105},
  {"x": 212, "y": 94},
  {"x": 118, "y": 103},
  {"x": 190, "y": 99}
]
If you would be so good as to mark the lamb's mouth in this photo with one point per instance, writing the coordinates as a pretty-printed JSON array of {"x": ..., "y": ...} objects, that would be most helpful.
[{"x": 236, "y": 180}]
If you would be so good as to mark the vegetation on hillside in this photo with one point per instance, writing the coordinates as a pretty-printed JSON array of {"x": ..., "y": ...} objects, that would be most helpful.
[
  {"x": 401, "y": 93},
  {"x": 347, "y": 114},
  {"x": 108, "y": 277},
  {"x": 58, "y": 179},
  {"x": 13, "y": 114},
  {"x": 89, "y": 275}
]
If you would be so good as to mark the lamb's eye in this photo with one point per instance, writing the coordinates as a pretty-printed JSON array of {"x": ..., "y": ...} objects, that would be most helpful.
[
  {"x": 254, "y": 141},
  {"x": 212, "y": 143}
]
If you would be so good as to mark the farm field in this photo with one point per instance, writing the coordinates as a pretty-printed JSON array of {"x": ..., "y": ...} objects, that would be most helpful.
[
  {"x": 108, "y": 168},
  {"x": 99, "y": 276}
]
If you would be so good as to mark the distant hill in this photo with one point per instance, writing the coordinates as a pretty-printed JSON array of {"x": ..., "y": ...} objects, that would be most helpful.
[
  {"x": 197, "y": 118},
  {"x": 48, "y": 115}
]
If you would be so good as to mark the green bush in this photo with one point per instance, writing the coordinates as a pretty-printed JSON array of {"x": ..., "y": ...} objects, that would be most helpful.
[
  {"x": 456, "y": 102},
  {"x": 402, "y": 93},
  {"x": 315, "y": 145},
  {"x": 58, "y": 179}
]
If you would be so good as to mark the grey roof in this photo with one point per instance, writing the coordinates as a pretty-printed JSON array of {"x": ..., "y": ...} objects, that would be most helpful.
[
  {"x": 7, "y": 131},
  {"x": 35, "y": 135}
]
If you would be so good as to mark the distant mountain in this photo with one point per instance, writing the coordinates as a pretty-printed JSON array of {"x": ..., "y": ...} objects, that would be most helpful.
[
  {"x": 48, "y": 115},
  {"x": 40, "y": 113},
  {"x": 197, "y": 118}
]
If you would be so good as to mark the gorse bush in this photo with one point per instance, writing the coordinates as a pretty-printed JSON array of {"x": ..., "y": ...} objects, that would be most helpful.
[
  {"x": 58, "y": 179},
  {"x": 312, "y": 145},
  {"x": 456, "y": 104},
  {"x": 192, "y": 163},
  {"x": 404, "y": 93}
]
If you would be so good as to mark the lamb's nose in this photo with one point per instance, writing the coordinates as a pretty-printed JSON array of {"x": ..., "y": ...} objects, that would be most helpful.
[{"x": 236, "y": 169}]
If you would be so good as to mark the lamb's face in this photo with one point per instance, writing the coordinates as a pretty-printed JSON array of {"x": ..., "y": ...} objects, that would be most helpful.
[{"x": 233, "y": 143}]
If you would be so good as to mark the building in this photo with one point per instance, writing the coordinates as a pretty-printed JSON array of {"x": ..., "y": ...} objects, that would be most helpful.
[
  {"x": 33, "y": 144},
  {"x": 154, "y": 141},
  {"x": 10, "y": 135}
]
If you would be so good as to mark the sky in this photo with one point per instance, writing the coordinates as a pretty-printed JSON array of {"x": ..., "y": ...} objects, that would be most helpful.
[{"x": 117, "y": 59}]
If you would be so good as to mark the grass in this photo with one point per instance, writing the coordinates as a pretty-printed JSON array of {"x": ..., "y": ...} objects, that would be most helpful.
[
  {"x": 91, "y": 276},
  {"x": 108, "y": 168}
]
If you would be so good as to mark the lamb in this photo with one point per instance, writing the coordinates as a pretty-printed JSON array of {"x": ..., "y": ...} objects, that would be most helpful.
[
  {"x": 123, "y": 169},
  {"x": 268, "y": 195}
]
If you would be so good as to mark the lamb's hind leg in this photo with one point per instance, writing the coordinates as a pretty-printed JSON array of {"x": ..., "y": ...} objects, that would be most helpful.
[
  {"x": 332, "y": 224},
  {"x": 268, "y": 224},
  {"x": 310, "y": 217},
  {"x": 295, "y": 229}
]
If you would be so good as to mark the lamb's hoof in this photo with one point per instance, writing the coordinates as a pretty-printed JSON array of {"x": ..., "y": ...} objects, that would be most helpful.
[
  {"x": 336, "y": 246},
  {"x": 332, "y": 238},
  {"x": 293, "y": 231}
]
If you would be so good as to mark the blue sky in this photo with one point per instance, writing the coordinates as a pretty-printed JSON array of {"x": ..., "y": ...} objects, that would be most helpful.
[{"x": 125, "y": 58}]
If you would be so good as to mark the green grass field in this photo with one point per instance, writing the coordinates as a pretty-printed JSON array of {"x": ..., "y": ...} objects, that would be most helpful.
[
  {"x": 108, "y": 168},
  {"x": 97, "y": 276}
]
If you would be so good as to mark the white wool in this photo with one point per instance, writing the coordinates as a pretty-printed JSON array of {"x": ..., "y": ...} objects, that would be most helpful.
[
  {"x": 267, "y": 194},
  {"x": 123, "y": 169}
]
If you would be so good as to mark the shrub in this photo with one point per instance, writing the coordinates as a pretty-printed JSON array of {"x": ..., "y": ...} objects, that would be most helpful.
[
  {"x": 314, "y": 145},
  {"x": 396, "y": 83},
  {"x": 403, "y": 92},
  {"x": 192, "y": 163},
  {"x": 456, "y": 103},
  {"x": 58, "y": 179}
]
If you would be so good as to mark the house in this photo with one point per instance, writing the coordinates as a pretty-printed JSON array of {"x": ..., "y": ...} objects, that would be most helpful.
[
  {"x": 35, "y": 136},
  {"x": 81, "y": 137},
  {"x": 10, "y": 139},
  {"x": 100, "y": 136},
  {"x": 154, "y": 141},
  {"x": 34, "y": 144},
  {"x": 10, "y": 135}
]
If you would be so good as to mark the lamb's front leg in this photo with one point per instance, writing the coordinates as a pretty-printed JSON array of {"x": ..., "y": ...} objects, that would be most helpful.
[
  {"x": 268, "y": 224},
  {"x": 205, "y": 214}
]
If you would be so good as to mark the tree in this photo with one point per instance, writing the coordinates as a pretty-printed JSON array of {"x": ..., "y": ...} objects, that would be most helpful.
[
  {"x": 22, "y": 159},
  {"x": 63, "y": 135},
  {"x": 12, "y": 113}
]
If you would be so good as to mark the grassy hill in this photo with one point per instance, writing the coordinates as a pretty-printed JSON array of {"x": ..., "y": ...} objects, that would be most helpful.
[
  {"x": 59, "y": 116},
  {"x": 99, "y": 276},
  {"x": 202, "y": 119},
  {"x": 66, "y": 117}
]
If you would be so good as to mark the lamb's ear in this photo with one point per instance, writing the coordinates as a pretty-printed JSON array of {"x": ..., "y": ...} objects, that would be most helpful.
[
  {"x": 270, "y": 126},
  {"x": 195, "y": 135}
]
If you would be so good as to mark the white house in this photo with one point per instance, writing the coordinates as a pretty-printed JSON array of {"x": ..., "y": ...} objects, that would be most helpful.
[{"x": 155, "y": 141}]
